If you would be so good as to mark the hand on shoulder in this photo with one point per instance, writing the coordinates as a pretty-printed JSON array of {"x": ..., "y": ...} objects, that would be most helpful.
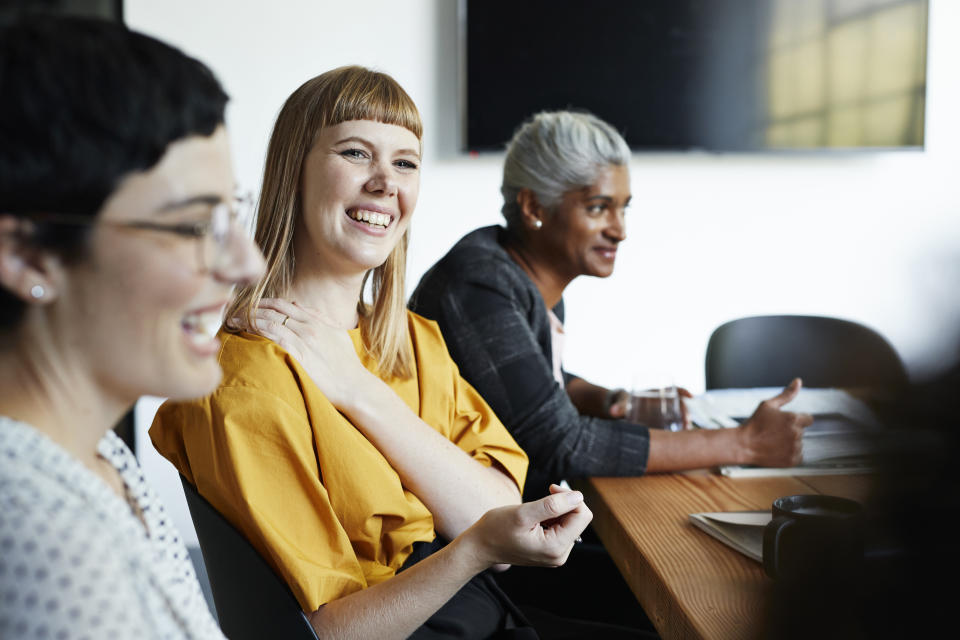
[{"x": 325, "y": 352}]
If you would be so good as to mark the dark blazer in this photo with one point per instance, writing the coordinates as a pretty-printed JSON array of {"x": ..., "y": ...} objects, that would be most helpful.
[{"x": 496, "y": 327}]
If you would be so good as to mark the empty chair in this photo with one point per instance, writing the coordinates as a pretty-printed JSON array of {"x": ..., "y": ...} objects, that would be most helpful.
[
  {"x": 252, "y": 601},
  {"x": 769, "y": 351}
]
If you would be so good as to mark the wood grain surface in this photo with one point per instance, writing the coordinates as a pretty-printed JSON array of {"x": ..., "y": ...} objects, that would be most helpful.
[{"x": 691, "y": 585}]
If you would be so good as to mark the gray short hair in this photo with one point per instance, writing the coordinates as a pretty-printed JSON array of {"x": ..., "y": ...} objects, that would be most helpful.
[{"x": 555, "y": 152}]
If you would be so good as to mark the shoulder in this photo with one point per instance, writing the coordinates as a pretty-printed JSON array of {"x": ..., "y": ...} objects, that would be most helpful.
[
  {"x": 258, "y": 376},
  {"x": 426, "y": 337},
  {"x": 478, "y": 260},
  {"x": 247, "y": 358},
  {"x": 258, "y": 368},
  {"x": 60, "y": 547},
  {"x": 476, "y": 254}
]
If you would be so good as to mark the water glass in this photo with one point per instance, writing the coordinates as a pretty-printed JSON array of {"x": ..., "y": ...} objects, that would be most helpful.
[{"x": 656, "y": 408}]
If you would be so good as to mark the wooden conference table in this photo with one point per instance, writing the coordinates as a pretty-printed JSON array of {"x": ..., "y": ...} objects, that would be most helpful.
[{"x": 689, "y": 584}]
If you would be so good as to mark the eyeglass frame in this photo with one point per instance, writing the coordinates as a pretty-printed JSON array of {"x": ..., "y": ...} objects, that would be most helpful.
[{"x": 239, "y": 214}]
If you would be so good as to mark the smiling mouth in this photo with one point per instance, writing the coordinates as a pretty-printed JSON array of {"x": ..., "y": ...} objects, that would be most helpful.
[
  {"x": 201, "y": 327},
  {"x": 370, "y": 218}
]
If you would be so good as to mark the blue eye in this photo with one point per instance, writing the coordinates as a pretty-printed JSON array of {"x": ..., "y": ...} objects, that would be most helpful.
[{"x": 353, "y": 153}]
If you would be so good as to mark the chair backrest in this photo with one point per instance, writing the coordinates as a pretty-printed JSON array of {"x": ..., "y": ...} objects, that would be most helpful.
[
  {"x": 252, "y": 601},
  {"x": 769, "y": 351}
]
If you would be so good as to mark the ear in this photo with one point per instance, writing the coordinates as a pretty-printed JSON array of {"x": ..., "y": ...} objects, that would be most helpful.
[
  {"x": 26, "y": 271},
  {"x": 531, "y": 213}
]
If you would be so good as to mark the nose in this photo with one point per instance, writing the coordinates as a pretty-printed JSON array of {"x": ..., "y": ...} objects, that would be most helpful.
[
  {"x": 616, "y": 230},
  {"x": 242, "y": 262},
  {"x": 382, "y": 181}
]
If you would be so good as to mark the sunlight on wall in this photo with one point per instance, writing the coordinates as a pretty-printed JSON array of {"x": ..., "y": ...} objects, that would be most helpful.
[{"x": 846, "y": 74}]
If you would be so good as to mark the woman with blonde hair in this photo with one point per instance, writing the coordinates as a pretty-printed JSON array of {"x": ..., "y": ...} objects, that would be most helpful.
[{"x": 343, "y": 442}]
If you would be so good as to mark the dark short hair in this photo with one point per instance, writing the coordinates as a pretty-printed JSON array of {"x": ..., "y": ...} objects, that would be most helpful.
[{"x": 85, "y": 103}]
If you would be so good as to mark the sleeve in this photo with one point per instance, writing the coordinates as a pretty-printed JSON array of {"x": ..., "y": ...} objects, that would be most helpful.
[
  {"x": 489, "y": 335},
  {"x": 252, "y": 456},
  {"x": 455, "y": 408}
]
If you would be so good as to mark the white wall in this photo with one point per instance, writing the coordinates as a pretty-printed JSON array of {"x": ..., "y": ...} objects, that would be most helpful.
[{"x": 873, "y": 237}]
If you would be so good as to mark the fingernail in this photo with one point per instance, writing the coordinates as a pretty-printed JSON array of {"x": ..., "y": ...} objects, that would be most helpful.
[{"x": 573, "y": 497}]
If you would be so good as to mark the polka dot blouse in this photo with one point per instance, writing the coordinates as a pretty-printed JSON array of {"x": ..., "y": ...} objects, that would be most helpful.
[{"x": 75, "y": 562}]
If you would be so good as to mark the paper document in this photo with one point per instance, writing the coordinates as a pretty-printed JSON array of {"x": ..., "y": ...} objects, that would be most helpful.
[
  {"x": 844, "y": 437},
  {"x": 718, "y": 407}
]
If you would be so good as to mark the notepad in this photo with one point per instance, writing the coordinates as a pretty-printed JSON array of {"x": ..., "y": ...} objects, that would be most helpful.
[{"x": 740, "y": 530}]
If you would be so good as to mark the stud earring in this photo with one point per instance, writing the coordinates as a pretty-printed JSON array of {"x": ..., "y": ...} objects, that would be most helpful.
[
  {"x": 37, "y": 291},
  {"x": 537, "y": 224}
]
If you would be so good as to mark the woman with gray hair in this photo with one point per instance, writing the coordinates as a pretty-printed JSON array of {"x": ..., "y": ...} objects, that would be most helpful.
[{"x": 497, "y": 296}]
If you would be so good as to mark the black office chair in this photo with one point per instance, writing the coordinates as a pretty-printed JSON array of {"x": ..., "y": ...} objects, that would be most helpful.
[
  {"x": 252, "y": 601},
  {"x": 769, "y": 351}
]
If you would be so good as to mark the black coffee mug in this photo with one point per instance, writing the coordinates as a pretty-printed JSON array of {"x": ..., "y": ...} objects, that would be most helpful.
[{"x": 814, "y": 536}]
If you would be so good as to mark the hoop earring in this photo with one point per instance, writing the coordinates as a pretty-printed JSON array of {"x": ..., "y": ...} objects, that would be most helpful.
[{"x": 37, "y": 291}]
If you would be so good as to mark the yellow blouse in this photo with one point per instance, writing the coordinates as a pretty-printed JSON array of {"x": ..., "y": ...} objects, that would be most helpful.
[{"x": 310, "y": 492}]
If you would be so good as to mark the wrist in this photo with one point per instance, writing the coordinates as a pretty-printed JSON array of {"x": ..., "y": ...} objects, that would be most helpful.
[
  {"x": 470, "y": 553},
  {"x": 364, "y": 398},
  {"x": 742, "y": 451}
]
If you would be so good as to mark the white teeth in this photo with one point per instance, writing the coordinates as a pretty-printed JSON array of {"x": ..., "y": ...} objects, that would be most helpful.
[
  {"x": 370, "y": 217},
  {"x": 203, "y": 327}
]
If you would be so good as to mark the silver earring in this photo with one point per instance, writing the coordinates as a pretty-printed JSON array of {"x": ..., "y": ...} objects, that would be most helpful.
[
  {"x": 37, "y": 291},
  {"x": 537, "y": 224}
]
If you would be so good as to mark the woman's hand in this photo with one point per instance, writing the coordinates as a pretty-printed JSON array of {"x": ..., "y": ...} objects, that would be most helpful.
[
  {"x": 772, "y": 437},
  {"x": 539, "y": 533},
  {"x": 327, "y": 353}
]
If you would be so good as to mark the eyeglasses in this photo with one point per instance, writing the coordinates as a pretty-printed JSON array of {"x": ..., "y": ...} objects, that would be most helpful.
[{"x": 216, "y": 237}]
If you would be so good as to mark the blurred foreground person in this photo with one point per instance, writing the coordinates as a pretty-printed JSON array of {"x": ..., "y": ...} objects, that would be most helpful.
[
  {"x": 119, "y": 246},
  {"x": 910, "y": 550}
]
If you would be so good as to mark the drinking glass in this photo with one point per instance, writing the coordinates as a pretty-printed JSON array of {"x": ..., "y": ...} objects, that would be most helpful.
[{"x": 656, "y": 408}]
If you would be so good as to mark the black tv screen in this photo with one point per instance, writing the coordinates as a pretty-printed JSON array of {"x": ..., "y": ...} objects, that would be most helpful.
[{"x": 718, "y": 75}]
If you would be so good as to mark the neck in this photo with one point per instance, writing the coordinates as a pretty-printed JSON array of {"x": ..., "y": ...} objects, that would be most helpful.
[
  {"x": 548, "y": 281},
  {"x": 41, "y": 385},
  {"x": 332, "y": 297}
]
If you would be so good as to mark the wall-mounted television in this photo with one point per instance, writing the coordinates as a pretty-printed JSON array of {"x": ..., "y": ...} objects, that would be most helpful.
[{"x": 714, "y": 75}]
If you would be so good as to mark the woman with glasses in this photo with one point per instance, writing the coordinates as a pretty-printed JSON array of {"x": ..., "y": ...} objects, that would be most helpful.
[
  {"x": 119, "y": 246},
  {"x": 343, "y": 442}
]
